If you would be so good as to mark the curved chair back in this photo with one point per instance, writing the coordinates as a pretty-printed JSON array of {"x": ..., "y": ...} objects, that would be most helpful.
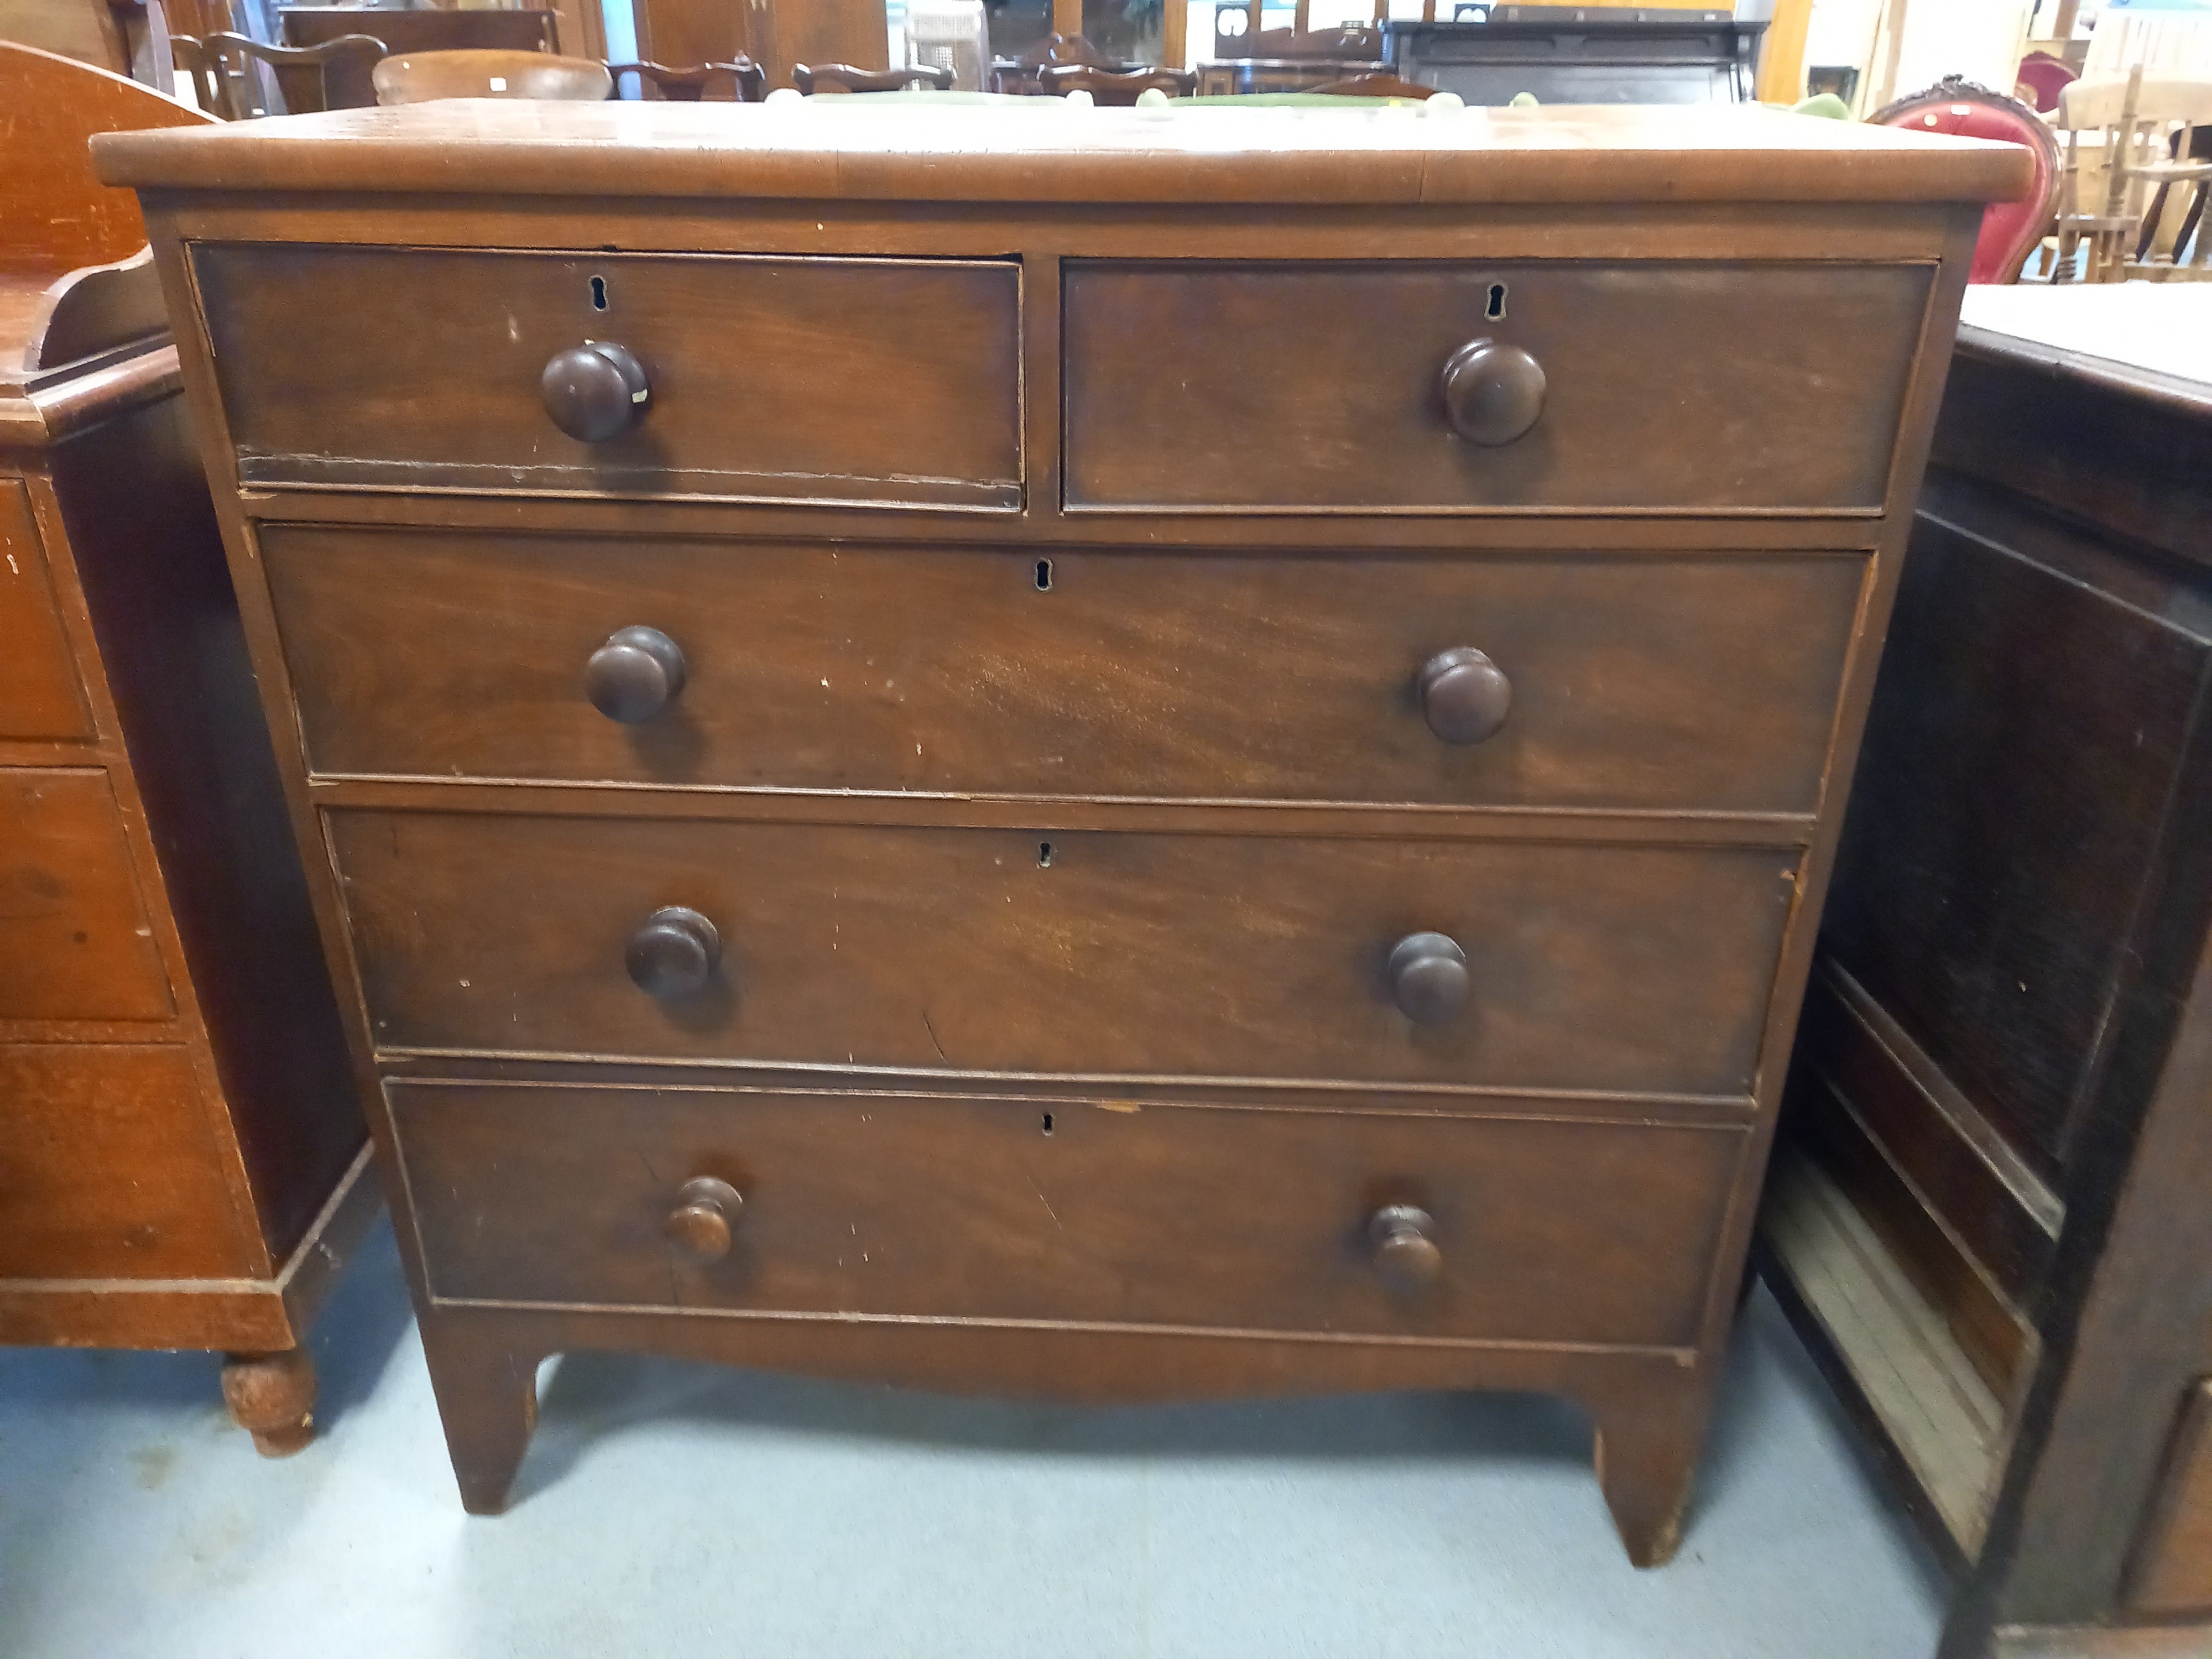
[
  {"x": 748, "y": 80},
  {"x": 419, "y": 76},
  {"x": 1114, "y": 87},
  {"x": 810, "y": 78},
  {"x": 2009, "y": 229}
]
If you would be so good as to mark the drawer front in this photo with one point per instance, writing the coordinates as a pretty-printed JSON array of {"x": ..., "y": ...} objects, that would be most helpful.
[
  {"x": 39, "y": 694},
  {"x": 771, "y": 380},
  {"x": 1640, "y": 681},
  {"x": 1664, "y": 387},
  {"x": 1223, "y": 956},
  {"x": 1181, "y": 1216},
  {"x": 109, "y": 1169},
  {"x": 75, "y": 940}
]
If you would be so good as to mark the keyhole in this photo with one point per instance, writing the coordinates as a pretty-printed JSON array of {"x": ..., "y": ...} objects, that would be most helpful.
[
  {"x": 1044, "y": 855},
  {"x": 599, "y": 295},
  {"x": 1496, "y": 301},
  {"x": 1045, "y": 575},
  {"x": 1048, "y": 1122}
]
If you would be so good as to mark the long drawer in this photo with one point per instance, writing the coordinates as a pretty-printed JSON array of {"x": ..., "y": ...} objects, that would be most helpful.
[
  {"x": 1542, "y": 1231},
  {"x": 1657, "y": 385},
  {"x": 872, "y": 380},
  {"x": 1586, "y": 968},
  {"x": 1642, "y": 681}
]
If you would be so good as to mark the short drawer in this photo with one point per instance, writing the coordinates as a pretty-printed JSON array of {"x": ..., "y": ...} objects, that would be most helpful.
[
  {"x": 1659, "y": 386},
  {"x": 1640, "y": 681},
  {"x": 38, "y": 693},
  {"x": 1011, "y": 1210},
  {"x": 1586, "y": 968},
  {"x": 75, "y": 939},
  {"x": 871, "y": 380}
]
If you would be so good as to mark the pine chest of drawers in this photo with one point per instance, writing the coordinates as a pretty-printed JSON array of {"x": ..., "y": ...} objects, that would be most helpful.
[{"x": 1101, "y": 754}]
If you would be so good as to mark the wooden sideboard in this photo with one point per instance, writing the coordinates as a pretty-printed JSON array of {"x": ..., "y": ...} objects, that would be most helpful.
[
  {"x": 1989, "y": 1212},
  {"x": 928, "y": 758},
  {"x": 183, "y": 1164}
]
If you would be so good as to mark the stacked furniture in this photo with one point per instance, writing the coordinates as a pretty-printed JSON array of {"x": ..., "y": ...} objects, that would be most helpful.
[
  {"x": 1989, "y": 1219},
  {"x": 869, "y": 830},
  {"x": 182, "y": 1162}
]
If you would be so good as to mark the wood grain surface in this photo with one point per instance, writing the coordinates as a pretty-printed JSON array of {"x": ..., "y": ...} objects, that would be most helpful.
[
  {"x": 1009, "y": 1210},
  {"x": 75, "y": 939},
  {"x": 770, "y": 378},
  {"x": 112, "y": 1169},
  {"x": 1286, "y": 393},
  {"x": 39, "y": 696},
  {"x": 853, "y": 149},
  {"x": 1638, "y": 682},
  {"x": 1219, "y": 955}
]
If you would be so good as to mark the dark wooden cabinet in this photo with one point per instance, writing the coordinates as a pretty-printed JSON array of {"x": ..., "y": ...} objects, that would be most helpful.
[
  {"x": 1989, "y": 1210},
  {"x": 1017, "y": 798},
  {"x": 182, "y": 1158}
]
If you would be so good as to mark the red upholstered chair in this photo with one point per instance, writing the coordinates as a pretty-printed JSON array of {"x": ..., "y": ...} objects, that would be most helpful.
[
  {"x": 2046, "y": 77},
  {"x": 2009, "y": 229}
]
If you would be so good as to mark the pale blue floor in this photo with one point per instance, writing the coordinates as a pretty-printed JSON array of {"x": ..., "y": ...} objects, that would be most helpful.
[{"x": 683, "y": 1510}]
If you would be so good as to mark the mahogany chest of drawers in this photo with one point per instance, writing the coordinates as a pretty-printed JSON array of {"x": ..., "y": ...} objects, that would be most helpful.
[{"x": 1103, "y": 754}]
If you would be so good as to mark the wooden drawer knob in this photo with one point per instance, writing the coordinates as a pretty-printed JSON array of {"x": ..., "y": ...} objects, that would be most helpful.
[
  {"x": 1428, "y": 978},
  {"x": 1465, "y": 696},
  {"x": 674, "y": 953},
  {"x": 706, "y": 1210},
  {"x": 1492, "y": 393},
  {"x": 595, "y": 392},
  {"x": 636, "y": 674},
  {"x": 1403, "y": 1239}
]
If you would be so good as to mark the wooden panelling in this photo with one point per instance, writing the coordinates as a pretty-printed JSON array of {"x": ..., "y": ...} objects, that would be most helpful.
[
  {"x": 75, "y": 940},
  {"x": 950, "y": 1208},
  {"x": 175, "y": 662},
  {"x": 2014, "y": 785},
  {"x": 109, "y": 1169},
  {"x": 1613, "y": 969},
  {"x": 1643, "y": 681},
  {"x": 1269, "y": 385},
  {"x": 790, "y": 380},
  {"x": 1959, "y": 1167},
  {"x": 38, "y": 693}
]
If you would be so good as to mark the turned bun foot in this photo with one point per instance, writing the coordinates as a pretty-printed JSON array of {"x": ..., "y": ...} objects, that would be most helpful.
[{"x": 272, "y": 1397}]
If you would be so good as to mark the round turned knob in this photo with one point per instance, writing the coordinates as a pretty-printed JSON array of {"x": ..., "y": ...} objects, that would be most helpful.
[
  {"x": 706, "y": 1209},
  {"x": 1492, "y": 393},
  {"x": 1465, "y": 696},
  {"x": 1428, "y": 978},
  {"x": 674, "y": 953},
  {"x": 1403, "y": 1240},
  {"x": 634, "y": 675},
  {"x": 594, "y": 391}
]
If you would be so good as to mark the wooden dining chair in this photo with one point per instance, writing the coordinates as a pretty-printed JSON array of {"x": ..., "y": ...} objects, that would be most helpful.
[
  {"x": 811, "y": 78},
  {"x": 2149, "y": 129},
  {"x": 1250, "y": 60},
  {"x": 747, "y": 81},
  {"x": 1114, "y": 87},
  {"x": 420, "y": 76},
  {"x": 233, "y": 75}
]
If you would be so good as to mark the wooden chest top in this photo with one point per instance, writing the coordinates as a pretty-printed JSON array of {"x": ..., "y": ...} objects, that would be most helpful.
[{"x": 902, "y": 148}]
